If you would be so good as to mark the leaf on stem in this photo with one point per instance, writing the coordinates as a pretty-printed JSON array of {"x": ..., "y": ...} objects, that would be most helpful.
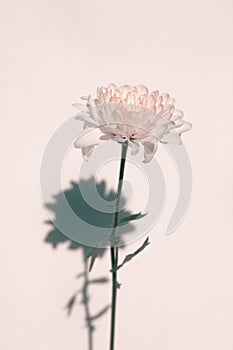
[
  {"x": 99, "y": 280},
  {"x": 132, "y": 217},
  {"x": 132, "y": 255},
  {"x": 118, "y": 285}
]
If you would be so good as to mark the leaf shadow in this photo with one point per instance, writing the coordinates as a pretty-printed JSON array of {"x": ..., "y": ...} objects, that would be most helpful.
[{"x": 57, "y": 238}]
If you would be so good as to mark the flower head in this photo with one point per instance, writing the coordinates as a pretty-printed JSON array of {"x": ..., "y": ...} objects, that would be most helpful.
[{"x": 130, "y": 114}]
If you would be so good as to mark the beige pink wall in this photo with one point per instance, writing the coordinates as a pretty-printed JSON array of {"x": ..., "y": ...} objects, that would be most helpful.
[{"x": 178, "y": 294}]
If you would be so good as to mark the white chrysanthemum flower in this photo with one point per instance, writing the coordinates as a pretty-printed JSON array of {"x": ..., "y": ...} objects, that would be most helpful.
[{"x": 132, "y": 115}]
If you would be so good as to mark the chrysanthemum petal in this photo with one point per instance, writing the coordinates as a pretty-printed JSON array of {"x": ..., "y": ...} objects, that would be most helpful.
[
  {"x": 111, "y": 88},
  {"x": 106, "y": 137},
  {"x": 135, "y": 146},
  {"x": 177, "y": 114},
  {"x": 165, "y": 98},
  {"x": 184, "y": 127},
  {"x": 86, "y": 152},
  {"x": 142, "y": 90},
  {"x": 171, "y": 137},
  {"x": 150, "y": 147},
  {"x": 168, "y": 111},
  {"x": 132, "y": 114},
  {"x": 160, "y": 128},
  {"x": 124, "y": 89},
  {"x": 89, "y": 137},
  {"x": 79, "y": 106},
  {"x": 86, "y": 117}
]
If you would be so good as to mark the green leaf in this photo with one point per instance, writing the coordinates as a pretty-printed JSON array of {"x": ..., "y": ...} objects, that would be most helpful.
[
  {"x": 118, "y": 285},
  {"x": 132, "y": 217},
  {"x": 99, "y": 280},
  {"x": 132, "y": 255}
]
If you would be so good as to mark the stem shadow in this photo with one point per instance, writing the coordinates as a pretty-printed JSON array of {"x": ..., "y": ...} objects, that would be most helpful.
[{"x": 57, "y": 238}]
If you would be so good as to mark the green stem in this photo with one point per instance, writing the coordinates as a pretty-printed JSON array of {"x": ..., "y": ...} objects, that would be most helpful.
[{"x": 114, "y": 250}]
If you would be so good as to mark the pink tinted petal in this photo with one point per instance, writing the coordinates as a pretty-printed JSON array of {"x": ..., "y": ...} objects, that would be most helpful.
[
  {"x": 108, "y": 128},
  {"x": 124, "y": 89},
  {"x": 94, "y": 113},
  {"x": 149, "y": 150},
  {"x": 151, "y": 102},
  {"x": 117, "y": 93},
  {"x": 111, "y": 88},
  {"x": 117, "y": 115},
  {"x": 171, "y": 137},
  {"x": 142, "y": 90},
  {"x": 86, "y": 152},
  {"x": 160, "y": 128},
  {"x": 158, "y": 101},
  {"x": 177, "y": 114},
  {"x": 178, "y": 122},
  {"x": 159, "y": 110},
  {"x": 135, "y": 146},
  {"x": 184, "y": 127},
  {"x": 165, "y": 98},
  {"x": 167, "y": 111},
  {"x": 144, "y": 101},
  {"x": 89, "y": 137},
  {"x": 141, "y": 135},
  {"x": 86, "y": 117},
  {"x": 101, "y": 96},
  {"x": 89, "y": 125},
  {"x": 171, "y": 101},
  {"x": 90, "y": 100},
  {"x": 106, "y": 137},
  {"x": 79, "y": 106},
  {"x": 155, "y": 93}
]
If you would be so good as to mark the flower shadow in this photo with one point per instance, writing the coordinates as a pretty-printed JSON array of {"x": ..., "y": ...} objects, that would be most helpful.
[{"x": 57, "y": 238}]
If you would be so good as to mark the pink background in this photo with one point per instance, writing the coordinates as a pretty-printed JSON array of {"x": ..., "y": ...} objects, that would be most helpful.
[{"x": 178, "y": 294}]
